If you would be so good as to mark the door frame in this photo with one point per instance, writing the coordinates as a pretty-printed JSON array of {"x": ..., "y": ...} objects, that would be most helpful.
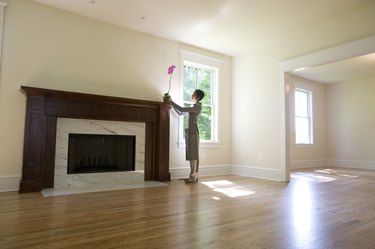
[{"x": 341, "y": 52}]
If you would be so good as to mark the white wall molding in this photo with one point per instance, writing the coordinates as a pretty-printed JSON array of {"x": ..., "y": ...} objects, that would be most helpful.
[
  {"x": 183, "y": 172},
  {"x": 2, "y": 16},
  {"x": 302, "y": 164},
  {"x": 354, "y": 164},
  {"x": 341, "y": 52},
  {"x": 216, "y": 170},
  {"x": 9, "y": 183},
  {"x": 368, "y": 165},
  {"x": 269, "y": 174}
]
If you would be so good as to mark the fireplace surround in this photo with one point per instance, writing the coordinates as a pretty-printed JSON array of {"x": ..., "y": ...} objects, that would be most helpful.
[{"x": 43, "y": 108}]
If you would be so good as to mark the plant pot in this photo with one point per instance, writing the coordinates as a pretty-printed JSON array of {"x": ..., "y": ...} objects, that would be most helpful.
[{"x": 167, "y": 98}]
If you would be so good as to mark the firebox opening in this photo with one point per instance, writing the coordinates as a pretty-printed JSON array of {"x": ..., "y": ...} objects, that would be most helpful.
[{"x": 95, "y": 153}]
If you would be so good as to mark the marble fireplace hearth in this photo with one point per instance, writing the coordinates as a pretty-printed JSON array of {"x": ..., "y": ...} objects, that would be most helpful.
[{"x": 51, "y": 115}]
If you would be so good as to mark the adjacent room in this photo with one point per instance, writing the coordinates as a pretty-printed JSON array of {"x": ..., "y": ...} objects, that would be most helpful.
[{"x": 93, "y": 153}]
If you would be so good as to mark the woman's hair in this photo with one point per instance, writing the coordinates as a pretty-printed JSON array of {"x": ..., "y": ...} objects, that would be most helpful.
[{"x": 199, "y": 93}]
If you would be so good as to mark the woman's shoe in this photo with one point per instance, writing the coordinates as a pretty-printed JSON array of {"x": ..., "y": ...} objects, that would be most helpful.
[{"x": 191, "y": 180}]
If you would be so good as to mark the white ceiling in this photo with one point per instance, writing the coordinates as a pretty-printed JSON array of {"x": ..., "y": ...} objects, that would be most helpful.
[{"x": 230, "y": 27}]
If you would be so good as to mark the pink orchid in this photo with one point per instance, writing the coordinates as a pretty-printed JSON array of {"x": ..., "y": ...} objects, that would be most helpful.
[
  {"x": 170, "y": 72},
  {"x": 171, "y": 69}
]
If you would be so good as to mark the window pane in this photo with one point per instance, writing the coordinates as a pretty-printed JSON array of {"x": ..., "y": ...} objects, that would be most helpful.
[
  {"x": 302, "y": 130},
  {"x": 185, "y": 117},
  {"x": 204, "y": 123},
  {"x": 205, "y": 83},
  {"x": 301, "y": 103},
  {"x": 190, "y": 82}
]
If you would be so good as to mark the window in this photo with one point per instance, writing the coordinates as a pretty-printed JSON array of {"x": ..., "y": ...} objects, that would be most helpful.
[
  {"x": 303, "y": 115},
  {"x": 199, "y": 72}
]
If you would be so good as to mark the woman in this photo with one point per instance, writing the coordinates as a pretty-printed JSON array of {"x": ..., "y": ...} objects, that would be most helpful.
[{"x": 192, "y": 132}]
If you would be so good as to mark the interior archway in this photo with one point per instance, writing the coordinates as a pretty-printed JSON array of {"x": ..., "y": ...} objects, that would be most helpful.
[{"x": 342, "y": 52}]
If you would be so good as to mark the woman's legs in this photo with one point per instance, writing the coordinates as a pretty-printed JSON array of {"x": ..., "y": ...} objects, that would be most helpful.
[{"x": 193, "y": 176}]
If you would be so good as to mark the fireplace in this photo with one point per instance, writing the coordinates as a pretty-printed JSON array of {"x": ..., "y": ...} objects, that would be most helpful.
[
  {"x": 44, "y": 108},
  {"x": 94, "y": 153},
  {"x": 65, "y": 127}
]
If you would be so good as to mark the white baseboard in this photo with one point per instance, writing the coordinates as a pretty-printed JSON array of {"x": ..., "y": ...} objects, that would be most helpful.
[
  {"x": 302, "y": 164},
  {"x": 269, "y": 174},
  {"x": 9, "y": 183},
  {"x": 12, "y": 183},
  {"x": 183, "y": 172},
  {"x": 368, "y": 165}
]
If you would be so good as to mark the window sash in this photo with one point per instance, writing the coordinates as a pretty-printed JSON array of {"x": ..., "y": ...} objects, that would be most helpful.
[
  {"x": 303, "y": 116},
  {"x": 303, "y": 133}
]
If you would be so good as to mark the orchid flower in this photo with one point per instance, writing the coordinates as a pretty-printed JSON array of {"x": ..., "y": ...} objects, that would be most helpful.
[{"x": 170, "y": 72}]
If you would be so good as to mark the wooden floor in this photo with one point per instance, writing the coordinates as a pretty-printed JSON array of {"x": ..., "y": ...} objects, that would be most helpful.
[{"x": 321, "y": 208}]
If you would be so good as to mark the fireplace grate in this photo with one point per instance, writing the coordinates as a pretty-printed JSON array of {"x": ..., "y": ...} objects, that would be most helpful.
[{"x": 96, "y": 153}]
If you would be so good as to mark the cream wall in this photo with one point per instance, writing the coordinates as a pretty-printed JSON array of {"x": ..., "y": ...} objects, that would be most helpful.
[
  {"x": 351, "y": 122},
  {"x": 49, "y": 48},
  {"x": 258, "y": 124},
  {"x": 309, "y": 155}
]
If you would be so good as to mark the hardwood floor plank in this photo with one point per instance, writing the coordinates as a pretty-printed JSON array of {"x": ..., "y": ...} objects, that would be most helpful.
[{"x": 319, "y": 208}]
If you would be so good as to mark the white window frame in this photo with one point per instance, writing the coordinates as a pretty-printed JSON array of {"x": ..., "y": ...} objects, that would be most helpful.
[
  {"x": 310, "y": 90},
  {"x": 208, "y": 63}
]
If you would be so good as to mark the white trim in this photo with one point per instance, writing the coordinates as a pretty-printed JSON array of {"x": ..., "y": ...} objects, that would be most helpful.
[
  {"x": 341, "y": 52},
  {"x": 285, "y": 89},
  {"x": 213, "y": 170},
  {"x": 368, "y": 165},
  {"x": 297, "y": 83},
  {"x": 9, "y": 183},
  {"x": 202, "y": 144},
  {"x": 2, "y": 17},
  {"x": 302, "y": 164},
  {"x": 202, "y": 59},
  {"x": 216, "y": 170},
  {"x": 269, "y": 174},
  {"x": 262, "y": 173}
]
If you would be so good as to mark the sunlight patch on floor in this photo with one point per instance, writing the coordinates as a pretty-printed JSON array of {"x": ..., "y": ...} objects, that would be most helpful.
[
  {"x": 326, "y": 171},
  {"x": 312, "y": 177},
  {"x": 302, "y": 214},
  {"x": 228, "y": 188},
  {"x": 321, "y": 175},
  {"x": 333, "y": 172}
]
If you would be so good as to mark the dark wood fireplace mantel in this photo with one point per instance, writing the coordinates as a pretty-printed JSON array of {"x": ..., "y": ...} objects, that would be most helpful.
[{"x": 43, "y": 108}]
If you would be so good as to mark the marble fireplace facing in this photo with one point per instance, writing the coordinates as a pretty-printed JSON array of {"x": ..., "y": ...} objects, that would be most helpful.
[{"x": 65, "y": 182}]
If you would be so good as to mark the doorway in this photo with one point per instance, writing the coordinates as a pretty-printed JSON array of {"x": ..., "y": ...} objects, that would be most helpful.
[{"x": 342, "y": 52}]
